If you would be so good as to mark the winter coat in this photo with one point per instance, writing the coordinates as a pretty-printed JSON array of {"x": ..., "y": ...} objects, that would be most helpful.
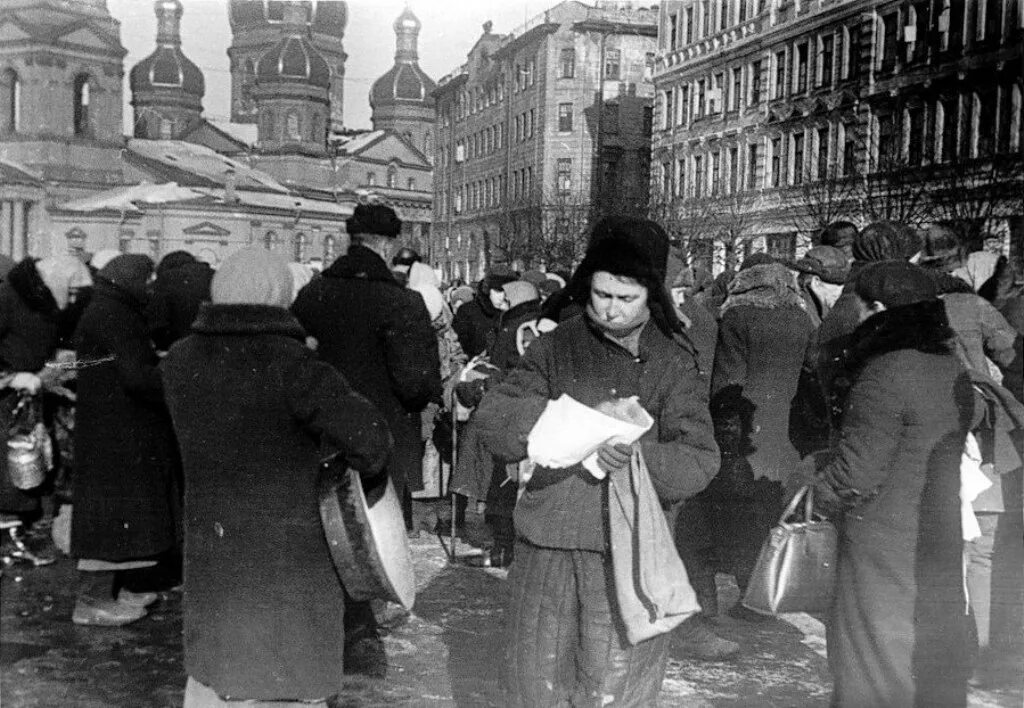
[
  {"x": 1013, "y": 374},
  {"x": 378, "y": 335},
  {"x": 127, "y": 487},
  {"x": 562, "y": 508},
  {"x": 898, "y": 632},
  {"x": 702, "y": 328},
  {"x": 474, "y": 321},
  {"x": 181, "y": 284},
  {"x": 762, "y": 341},
  {"x": 980, "y": 330},
  {"x": 254, "y": 412},
  {"x": 29, "y": 320}
]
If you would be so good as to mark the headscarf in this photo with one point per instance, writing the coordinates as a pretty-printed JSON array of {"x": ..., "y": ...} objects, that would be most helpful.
[
  {"x": 979, "y": 268},
  {"x": 62, "y": 274},
  {"x": 301, "y": 275},
  {"x": 424, "y": 280},
  {"x": 129, "y": 272},
  {"x": 252, "y": 276}
]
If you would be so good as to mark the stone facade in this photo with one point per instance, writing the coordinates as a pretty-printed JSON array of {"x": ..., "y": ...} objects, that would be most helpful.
[
  {"x": 518, "y": 127},
  {"x": 774, "y": 118}
]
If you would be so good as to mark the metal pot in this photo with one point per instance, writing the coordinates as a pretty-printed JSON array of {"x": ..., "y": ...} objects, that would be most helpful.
[{"x": 25, "y": 463}]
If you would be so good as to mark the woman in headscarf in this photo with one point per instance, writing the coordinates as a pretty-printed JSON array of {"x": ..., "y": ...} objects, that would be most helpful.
[
  {"x": 256, "y": 413},
  {"x": 34, "y": 299},
  {"x": 897, "y": 635},
  {"x": 127, "y": 492}
]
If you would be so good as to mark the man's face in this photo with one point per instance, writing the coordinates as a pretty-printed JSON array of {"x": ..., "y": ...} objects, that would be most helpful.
[
  {"x": 498, "y": 299},
  {"x": 827, "y": 293},
  {"x": 617, "y": 300}
]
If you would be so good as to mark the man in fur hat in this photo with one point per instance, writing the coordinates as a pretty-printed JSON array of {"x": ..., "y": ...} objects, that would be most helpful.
[{"x": 626, "y": 341}]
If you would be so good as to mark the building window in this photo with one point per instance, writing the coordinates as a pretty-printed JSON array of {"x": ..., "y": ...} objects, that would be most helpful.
[
  {"x": 567, "y": 63},
  {"x": 701, "y": 98},
  {"x": 292, "y": 126},
  {"x": 698, "y": 176},
  {"x": 849, "y": 153},
  {"x": 781, "y": 247},
  {"x": 822, "y": 153},
  {"x": 752, "y": 166},
  {"x": 10, "y": 92},
  {"x": 985, "y": 104},
  {"x": 81, "y": 105},
  {"x": 611, "y": 118},
  {"x": 705, "y": 18},
  {"x": 735, "y": 98},
  {"x": 914, "y": 137},
  {"x": 798, "y": 158},
  {"x": 1010, "y": 119},
  {"x": 716, "y": 173},
  {"x": 734, "y": 169},
  {"x": 392, "y": 176},
  {"x": 410, "y": 184},
  {"x": 776, "y": 161},
  {"x": 612, "y": 64},
  {"x": 371, "y": 179},
  {"x": 672, "y": 31},
  {"x": 565, "y": 117},
  {"x": 755, "y": 83},
  {"x": 825, "y": 65},
  {"x": 780, "y": 75},
  {"x": 688, "y": 15},
  {"x": 269, "y": 239},
  {"x": 715, "y": 97},
  {"x": 329, "y": 245},
  {"x": 681, "y": 177},
  {"x": 300, "y": 247},
  {"x": 886, "y": 147},
  {"x": 801, "y": 68},
  {"x": 886, "y": 51}
]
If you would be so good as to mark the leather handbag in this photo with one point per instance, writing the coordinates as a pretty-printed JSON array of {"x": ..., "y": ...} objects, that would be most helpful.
[{"x": 796, "y": 568}]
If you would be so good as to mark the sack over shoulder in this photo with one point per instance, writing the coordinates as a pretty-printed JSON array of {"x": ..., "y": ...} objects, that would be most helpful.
[
  {"x": 651, "y": 586},
  {"x": 796, "y": 568}
]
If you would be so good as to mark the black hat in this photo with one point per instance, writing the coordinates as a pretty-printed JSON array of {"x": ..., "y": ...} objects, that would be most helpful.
[
  {"x": 827, "y": 262},
  {"x": 646, "y": 236},
  {"x": 886, "y": 240},
  {"x": 895, "y": 284},
  {"x": 374, "y": 219}
]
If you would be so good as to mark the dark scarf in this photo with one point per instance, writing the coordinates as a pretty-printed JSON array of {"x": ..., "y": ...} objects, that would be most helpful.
[
  {"x": 247, "y": 319},
  {"x": 922, "y": 326},
  {"x": 26, "y": 282},
  {"x": 363, "y": 264}
]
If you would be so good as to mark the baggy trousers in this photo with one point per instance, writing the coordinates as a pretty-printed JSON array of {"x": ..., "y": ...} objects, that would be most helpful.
[{"x": 566, "y": 644}]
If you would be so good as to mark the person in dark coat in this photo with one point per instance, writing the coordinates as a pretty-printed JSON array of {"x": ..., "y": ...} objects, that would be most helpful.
[
  {"x": 897, "y": 634},
  {"x": 182, "y": 283},
  {"x": 627, "y": 342},
  {"x": 475, "y": 320},
  {"x": 378, "y": 335},
  {"x": 762, "y": 342},
  {"x": 127, "y": 486},
  {"x": 34, "y": 299},
  {"x": 255, "y": 413}
]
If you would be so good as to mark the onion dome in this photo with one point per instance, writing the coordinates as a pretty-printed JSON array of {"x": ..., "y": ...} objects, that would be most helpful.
[
  {"x": 293, "y": 59},
  {"x": 405, "y": 81},
  {"x": 330, "y": 18},
  {"x": 167, "y": 67}
]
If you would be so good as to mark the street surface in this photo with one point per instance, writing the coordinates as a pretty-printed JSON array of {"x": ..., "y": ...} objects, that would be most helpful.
[{"x": 447, "y": 654}]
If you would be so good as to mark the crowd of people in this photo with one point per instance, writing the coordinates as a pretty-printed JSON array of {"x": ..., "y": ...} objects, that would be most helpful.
[{"x": 189, "y": 411}]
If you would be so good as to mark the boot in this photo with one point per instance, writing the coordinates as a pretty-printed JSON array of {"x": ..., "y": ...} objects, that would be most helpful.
[
  {"x": 96, "y": 606},
  {"x": 19, "y": 550},
  {"x": 698, "y": 641}
]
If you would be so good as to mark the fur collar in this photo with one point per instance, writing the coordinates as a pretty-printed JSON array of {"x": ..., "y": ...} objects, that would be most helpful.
[
  {"x": 363, "y": 264},
  {"x": 25, "y": 280},
  {"x": 247, "y": 320},
  {"x": 769, "y": 286},
  {"x": 922, "y": 327}
]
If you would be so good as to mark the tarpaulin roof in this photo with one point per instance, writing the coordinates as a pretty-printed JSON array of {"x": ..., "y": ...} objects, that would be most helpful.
[{"x": 125, "y": 198}]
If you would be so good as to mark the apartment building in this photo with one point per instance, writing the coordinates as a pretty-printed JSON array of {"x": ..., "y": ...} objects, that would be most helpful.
[
  {"x": 519, "y": 128},
  {"x": 774, "y": 117}
]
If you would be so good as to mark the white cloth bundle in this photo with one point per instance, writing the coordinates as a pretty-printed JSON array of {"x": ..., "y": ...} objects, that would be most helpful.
[{"x": 568, "y": 433}]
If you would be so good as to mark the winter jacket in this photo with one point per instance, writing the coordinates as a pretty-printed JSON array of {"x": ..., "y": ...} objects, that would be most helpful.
[
  {"x": 762, "y": 341},
  {"x": 980, "y": 330},
  {"x": 378, "y": 335},
  {"x": 182, "y": 284},
  {"x": 898, "y": 635},
  {"x": 255, "y": 412},
  {"x": 474, "y": 321},
  {"x": 127, "y": 486},
  {"x": 562, "y": 508}
]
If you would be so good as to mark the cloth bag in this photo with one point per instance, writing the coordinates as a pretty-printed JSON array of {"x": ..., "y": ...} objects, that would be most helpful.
[
  {"x": 651, "y": 586},
  {"x": 796, "y": 568}
]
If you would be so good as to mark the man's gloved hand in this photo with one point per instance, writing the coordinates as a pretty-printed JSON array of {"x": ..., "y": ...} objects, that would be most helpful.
[
  {"x": 470, "y": 393},
  {"x": 26, "y": 381},
  {"x": 614, "y": 458}
]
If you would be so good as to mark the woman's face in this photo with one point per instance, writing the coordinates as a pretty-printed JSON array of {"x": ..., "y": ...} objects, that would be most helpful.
[
  {"x": 617, "y": 300},
  {"x": 498, "y": 299}
]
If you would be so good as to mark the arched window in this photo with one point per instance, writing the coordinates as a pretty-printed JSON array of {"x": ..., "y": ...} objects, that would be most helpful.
[
  {"x": 292, "y": 127},
  {"x": 10, "y": 94},
  {"x": 410, "y": 184},
  {"x": 81, "y": 107},
  {"x": 269, "y": 240},
  {"x": 299, "y": 250},
  {"x": 392, "y": 176},
  {"x": 329, "y": 246}
]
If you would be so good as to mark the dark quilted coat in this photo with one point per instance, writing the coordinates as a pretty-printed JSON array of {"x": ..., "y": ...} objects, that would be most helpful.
[
  {"x": 127, "y": 485},
  {"x": 378, "y": 335},
  {"x": 252, "y": 408},
  {"x": 897, "y": 635}
]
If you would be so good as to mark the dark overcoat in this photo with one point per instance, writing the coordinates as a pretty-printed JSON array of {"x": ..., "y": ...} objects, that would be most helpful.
[
  {"x": 898, "y": 633},
  {"x": 252, "y": 408},
  {"x": 127, "y": 487},
  {"x": 762, "y": 341},
  {"x": 378, "y": 335}
]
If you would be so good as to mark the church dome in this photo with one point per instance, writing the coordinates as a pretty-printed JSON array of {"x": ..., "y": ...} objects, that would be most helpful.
[
  {"x": 294, "y": 59},
  {"x": 404, "y": 82},
  {"x": 167, "y": 67},
  {"x": 407, "y": 21}
]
